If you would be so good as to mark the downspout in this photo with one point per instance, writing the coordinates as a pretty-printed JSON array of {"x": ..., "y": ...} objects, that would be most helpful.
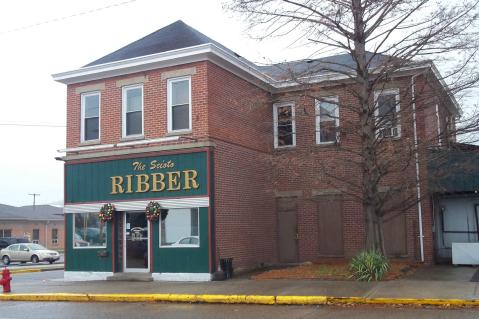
[{"x": 416, "y": 156}]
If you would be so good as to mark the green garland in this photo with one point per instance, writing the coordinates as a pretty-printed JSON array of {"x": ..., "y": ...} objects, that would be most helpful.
[
  {"x": 153, "y": 211},
  {"x": 106, "y": 213}
]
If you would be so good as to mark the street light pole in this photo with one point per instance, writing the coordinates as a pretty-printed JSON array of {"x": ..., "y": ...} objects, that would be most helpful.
[{"x": 34, "y": 197}]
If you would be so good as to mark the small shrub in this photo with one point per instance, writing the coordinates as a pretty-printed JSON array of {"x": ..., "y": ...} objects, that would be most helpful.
[{"x": 369, "y": 265}]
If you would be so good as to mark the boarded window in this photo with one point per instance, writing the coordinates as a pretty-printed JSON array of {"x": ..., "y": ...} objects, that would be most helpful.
[
  {"x": 394, "y": 229},
  {"x": 330, "y": 216},
  {"x": 287, "y": 230}
]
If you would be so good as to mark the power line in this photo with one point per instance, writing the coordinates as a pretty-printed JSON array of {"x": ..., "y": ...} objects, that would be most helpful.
[
  {"x": 32, "y": 124},
  {"x": 66, "y": 17}
]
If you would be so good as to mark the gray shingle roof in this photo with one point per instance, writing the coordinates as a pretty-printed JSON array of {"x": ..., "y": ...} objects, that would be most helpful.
[
  {"x": 175, "y": 36},
  {"x": 41, "y": 212}
]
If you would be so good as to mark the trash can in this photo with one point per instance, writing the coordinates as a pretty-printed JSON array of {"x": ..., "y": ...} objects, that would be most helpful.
[{"x": 226, "y": 265}]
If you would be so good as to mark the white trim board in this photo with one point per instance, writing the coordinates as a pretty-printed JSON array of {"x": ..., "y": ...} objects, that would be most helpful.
[
  {"x": 182, "y": 276},
  {"x": 85, "y": 275},
  {"x": 186, "y": 202}
]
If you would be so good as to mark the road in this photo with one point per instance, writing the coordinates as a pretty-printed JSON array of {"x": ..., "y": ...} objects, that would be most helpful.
[{"x": 17, "y": 310}]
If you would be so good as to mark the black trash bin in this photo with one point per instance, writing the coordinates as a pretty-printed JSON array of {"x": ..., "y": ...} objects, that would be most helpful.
[{"x": 226, "y": 265}]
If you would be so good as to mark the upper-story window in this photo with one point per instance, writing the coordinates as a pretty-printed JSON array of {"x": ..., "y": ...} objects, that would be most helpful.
[
  {"x": 387, "y": 113},
  {"x": 284, "y": 125},
  {"x": 132, "y": 111},
  {"x": 179, "y": 104},
  {"x": 90, "y": 116},
  {"x": 327, "y": 120}
]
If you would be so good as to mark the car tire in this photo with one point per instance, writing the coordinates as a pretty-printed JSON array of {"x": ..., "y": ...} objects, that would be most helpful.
[
  {"x": 35, "y": 259},
  {"x": 51, "y": 261},
  {"x": 6, "y": 260}
]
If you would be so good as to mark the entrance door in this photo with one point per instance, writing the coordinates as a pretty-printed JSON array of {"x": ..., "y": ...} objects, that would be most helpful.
[
  {"x": 287, "y": 241},
  {"x": 136, "y": 247}
]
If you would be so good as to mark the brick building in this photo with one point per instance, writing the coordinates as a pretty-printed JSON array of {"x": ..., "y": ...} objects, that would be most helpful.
[
  {"x": 227, "y": 149},
  {"x": 43, "y": 224}
]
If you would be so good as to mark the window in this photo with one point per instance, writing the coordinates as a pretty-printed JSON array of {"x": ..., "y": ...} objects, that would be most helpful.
[
  {"x": 5, "y": 233},
  {"x": 88, "y": 231},
  {"x": 54, "y": 236},
  {"x": 36, "y": 236},
  {"x": 284, "y": 125},
  {"x": 327, "y": 120},
  {"x": 90, "y": 116},
  {"x": 132, "y": 110},
  {"x": 387, "y": 113},
  {"x": 179, "y": 228},
  {"x": 179, "y": 104}
]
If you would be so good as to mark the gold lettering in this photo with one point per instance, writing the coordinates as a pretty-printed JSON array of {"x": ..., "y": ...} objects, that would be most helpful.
[
  {"x": 173, "y": 184},
  {"x": 158, "y": 182},
  {"x": 116, "y": 187},
  {"x": 128, "y": 184},
  {"x": 190, "y": 179},
  {"x": 142, "y": 185}
]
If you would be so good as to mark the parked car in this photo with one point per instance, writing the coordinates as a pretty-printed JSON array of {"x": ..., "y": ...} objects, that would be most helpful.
[
  {"x": 7, "y": 241},
  {"x": 79, "y": 242},
  {"x": 28, "y": 252},
  {"x": 191, "y": 240}
]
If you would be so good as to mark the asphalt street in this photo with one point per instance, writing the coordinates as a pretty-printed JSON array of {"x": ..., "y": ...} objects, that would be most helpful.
[{"x": 17, "y": 310}]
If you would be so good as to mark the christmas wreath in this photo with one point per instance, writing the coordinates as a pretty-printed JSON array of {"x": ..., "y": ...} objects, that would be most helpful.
[
  {"x": 153, "y": 211},
  {"x": 106, "y": 212}
]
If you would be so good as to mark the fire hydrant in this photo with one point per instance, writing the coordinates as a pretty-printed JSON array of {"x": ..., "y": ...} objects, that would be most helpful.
[{"x": 5, "y": 281}]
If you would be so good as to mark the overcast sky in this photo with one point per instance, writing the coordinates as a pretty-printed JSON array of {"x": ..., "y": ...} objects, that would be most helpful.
[{"x": 39, "y": 38}]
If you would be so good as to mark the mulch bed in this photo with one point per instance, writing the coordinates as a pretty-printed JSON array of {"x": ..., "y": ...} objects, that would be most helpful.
[{"x": 331, "y": 270}]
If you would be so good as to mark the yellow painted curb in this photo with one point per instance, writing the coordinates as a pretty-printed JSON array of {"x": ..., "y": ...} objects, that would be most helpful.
[
  {"x": 301, "y": 300},
  {"x": 404, "y": 301},
  {"x": 44, "y": 297},
  {"x": 23, "y": 271}
]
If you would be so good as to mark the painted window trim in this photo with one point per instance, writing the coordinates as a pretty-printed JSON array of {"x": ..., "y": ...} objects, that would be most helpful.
[
  {"x": 275, "y": 124},
  {"x": 82, "y": 124},
  {"x": 124, "y": 89},
  {"x": 169, "y": 111},
  {"x": 182, "y": 246},
  {"x": 317, "y": 104},
  {"x": 87, "y": 247},
  {"x": 398, "y": 108}
]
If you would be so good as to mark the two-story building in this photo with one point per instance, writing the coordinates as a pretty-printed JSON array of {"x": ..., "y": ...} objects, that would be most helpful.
[{"x": 228, "y": 151}]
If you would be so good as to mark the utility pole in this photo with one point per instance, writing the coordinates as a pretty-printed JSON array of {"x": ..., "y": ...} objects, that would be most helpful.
[{"x": 34, "y": 197}]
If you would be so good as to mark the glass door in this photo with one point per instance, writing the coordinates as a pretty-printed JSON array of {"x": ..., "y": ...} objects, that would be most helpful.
[{"x": 135, "y": 251}]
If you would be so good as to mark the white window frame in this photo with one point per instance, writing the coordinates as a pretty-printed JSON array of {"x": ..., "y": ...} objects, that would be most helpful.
[
  {"x": 398, "y": 109},
  {"x": 87, "y": 247},
  {"x": 182, "y": 246},
  {"x": 170, "y": 106},
  {"x": 275, "y": 120},
  {"x": 317, "y": 103},
  {"x": 124, "y": 90},
  {"x": 82, "y": 125}
]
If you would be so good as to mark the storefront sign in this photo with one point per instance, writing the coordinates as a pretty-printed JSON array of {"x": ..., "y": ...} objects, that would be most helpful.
[{"x": 147, "y": 177}]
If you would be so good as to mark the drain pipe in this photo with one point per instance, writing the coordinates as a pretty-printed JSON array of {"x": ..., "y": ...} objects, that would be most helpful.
[{"x": 416, "y": 156}]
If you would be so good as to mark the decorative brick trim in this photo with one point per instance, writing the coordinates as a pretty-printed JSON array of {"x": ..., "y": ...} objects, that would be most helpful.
[
  {"x": 178, "y": 73},
  {"x": 130, "y": 81},
  {"x": 90, "y": 88}
]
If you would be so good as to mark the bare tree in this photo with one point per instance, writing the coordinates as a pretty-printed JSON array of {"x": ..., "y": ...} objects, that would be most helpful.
[{"x": 386, "y": 40}]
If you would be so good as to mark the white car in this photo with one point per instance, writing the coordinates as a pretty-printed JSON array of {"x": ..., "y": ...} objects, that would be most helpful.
[
  {"x": 187, "y": 241},
  {"x": 28, "y": 252}
]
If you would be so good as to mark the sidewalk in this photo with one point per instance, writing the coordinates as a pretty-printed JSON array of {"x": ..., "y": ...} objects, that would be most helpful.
[{"x": 416, "y": 289}]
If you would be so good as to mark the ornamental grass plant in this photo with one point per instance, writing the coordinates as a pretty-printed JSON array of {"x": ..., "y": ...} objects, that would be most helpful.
[{"x": 369, "y": 265}]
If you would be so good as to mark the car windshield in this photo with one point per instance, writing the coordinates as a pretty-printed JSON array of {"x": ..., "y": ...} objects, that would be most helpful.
[{"x": 36, "y": 247}]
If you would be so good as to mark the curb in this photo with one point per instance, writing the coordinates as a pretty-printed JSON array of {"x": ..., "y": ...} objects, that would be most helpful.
[
  {"x": 28, "y": 270},
  {"x": 238, "y": 299}
]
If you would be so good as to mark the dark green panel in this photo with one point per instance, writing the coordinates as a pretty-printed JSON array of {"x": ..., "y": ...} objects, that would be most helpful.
[
  {"x": 86, "y": 259},
  {"x": 182, "y": 260},
  {"x": 90, "y": 182}
]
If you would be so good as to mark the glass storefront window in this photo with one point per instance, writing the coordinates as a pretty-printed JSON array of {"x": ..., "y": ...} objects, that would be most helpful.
[
  {"x": 88, "y": 232},
  {"x": 180, "y": 228}
]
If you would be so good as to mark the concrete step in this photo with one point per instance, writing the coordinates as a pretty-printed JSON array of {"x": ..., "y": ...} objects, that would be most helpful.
[{"x": 131, "y": 276}]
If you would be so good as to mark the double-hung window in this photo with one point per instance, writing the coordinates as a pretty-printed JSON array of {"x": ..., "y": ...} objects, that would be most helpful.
[
  {"x": 327, "y": 120},
  {"x": 90, "y": 116},
  {"x": 132, "y": 123},
  {"x": 387, "y": 113},
  {"x": 179, "y": 104},
  {"x": 284, "y": 125}
]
